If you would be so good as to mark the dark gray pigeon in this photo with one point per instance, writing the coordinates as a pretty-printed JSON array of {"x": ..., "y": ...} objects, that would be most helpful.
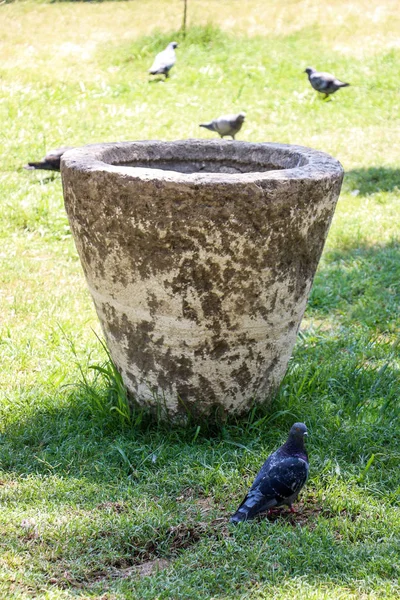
[
  {"x": 325, "y": 83},
  {"x": 226, "y": 125},
  {"x": 279, "y": 480},
  {"x": 164, "y": 61},
  {"x": 51, "y": 162}
]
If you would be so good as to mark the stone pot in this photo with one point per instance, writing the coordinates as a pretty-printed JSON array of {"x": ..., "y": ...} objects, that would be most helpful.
[{"x": 200, "y": 256}]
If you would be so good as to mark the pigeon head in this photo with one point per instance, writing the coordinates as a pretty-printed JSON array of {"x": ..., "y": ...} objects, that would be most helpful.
[
  {"x": 173, "y": 45},
  {"x": 309, "y": 70},
  {"x": 297, "y": 433},
  {"x": 241, "y": 117}
]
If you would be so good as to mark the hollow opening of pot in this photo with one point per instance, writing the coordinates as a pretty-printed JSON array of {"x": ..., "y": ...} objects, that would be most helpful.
[
  {"x": 201, "y": 166},
  {"x": 201, "y": 158}
]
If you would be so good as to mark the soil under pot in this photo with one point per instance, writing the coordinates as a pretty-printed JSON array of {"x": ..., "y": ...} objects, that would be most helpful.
[{"x": 200, "y": 256}]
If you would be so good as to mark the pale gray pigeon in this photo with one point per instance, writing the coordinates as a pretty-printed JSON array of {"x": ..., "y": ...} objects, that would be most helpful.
[
  {"x": 325, "y": 83},
  {"x": 279, "y": 480},
  {"x": 164, "y": 61},
  {"x": 51, "y": 162},
  {"x": 226, "y": 125}
]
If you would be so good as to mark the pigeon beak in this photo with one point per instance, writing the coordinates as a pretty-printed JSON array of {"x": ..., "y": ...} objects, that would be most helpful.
[{"x": 305, "y": 433}]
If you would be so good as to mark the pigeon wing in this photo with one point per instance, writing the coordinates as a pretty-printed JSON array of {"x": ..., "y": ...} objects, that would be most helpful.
[
  {"x": 164, "y": 61},
  {"x": 284, "y": 480},
  {"x": 321, "y": 81},
  {"x": 274, "y": 485},
  {"x": 224, "y": 125},
  {"x": 269, "y": 463}
]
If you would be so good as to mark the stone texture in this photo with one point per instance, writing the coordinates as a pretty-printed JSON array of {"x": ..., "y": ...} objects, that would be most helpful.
[{"x": 200, "y": 256}]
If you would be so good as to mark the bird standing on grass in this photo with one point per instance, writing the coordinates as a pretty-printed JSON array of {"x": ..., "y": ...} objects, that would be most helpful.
[
  {"x": 279, "y": 480},
  {"x": 51, "y": 162},
  {"x": 226, "y": 125},
  {"x": 325, "y": 83},
  {"x": 164, "y": 61}
]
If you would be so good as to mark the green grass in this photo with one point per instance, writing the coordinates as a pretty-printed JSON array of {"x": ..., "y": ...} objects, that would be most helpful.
[{"x": 89, "y": 493}]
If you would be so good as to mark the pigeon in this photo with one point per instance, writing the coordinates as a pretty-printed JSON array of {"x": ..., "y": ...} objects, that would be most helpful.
[
  {"x": 51, "y": 162},
  {"x": 164, "y": 61},
  {"x": 279, "y": 480},
  {"x": 325, "y": 83},
  {"x": 226, "y": 125}
]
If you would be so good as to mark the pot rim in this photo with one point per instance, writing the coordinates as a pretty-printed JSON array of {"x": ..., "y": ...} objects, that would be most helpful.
[{"x": 316, "y": 165}]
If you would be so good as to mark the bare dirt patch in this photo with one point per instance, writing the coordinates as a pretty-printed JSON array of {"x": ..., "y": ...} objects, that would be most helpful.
[
  {"x": 146, "y": 559},
  {"x": 117, "y": 507},
  {"x": 148, "y": 568},
  {"x": 305, "y": 513},
  {"x": 145, "y": 569},
  {"x": 205, "y": 504}
]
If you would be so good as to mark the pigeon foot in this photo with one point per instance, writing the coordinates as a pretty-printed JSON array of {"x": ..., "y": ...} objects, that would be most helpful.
[{"x": 272, "y": 511}]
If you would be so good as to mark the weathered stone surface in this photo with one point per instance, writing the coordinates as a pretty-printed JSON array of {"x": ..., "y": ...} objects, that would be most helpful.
[{"x": 200, "y": 256}]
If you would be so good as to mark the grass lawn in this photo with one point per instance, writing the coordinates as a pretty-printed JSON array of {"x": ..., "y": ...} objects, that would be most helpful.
[{"x": 94, "y": 506}]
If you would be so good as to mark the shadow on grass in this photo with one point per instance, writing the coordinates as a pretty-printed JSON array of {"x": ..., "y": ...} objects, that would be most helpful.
[
  {"x": 357, "y": 285},
  {"x": 361, "y": 284},
  {"x": 341, "y": 385},
  {"x": 373, "y": 179}
]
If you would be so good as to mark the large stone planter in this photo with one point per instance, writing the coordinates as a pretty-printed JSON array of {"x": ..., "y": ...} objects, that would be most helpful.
[{"x": 199, "y": 256}]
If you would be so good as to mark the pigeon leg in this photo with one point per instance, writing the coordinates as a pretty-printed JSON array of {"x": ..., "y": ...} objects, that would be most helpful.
[{"x": 292, "y": 509}]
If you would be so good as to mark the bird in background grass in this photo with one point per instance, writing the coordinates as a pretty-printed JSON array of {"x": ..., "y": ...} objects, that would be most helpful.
[
  {"x": 226, "y": 124},
  {"x": 324, "y": 83},
  {"x": 164, "y": 61},
  {"x": 279, "y": 480},
  {"x": 51, "y": 162}
]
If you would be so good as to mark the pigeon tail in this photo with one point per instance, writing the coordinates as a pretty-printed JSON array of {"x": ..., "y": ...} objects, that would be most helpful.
[
  {"x": 51, "y": 162},
  {"x": 341, "y": 84},
  {"x": 31, "y": 166},
  {"x": 254, "y": 503},
  {"x": 209, "y": 126}
]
